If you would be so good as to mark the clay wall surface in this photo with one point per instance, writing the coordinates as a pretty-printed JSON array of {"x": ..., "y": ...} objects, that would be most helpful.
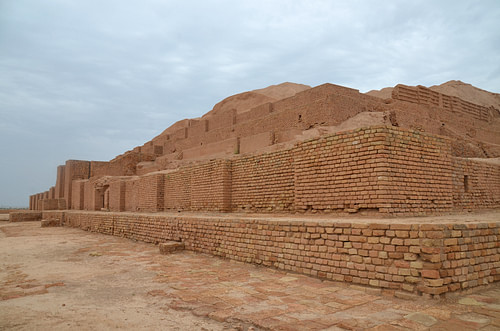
[
  {"x": 117, "y": 195},
  {"x": 53, "y": 204},
  {"x": 89, "y": 200},
  {"x": 60, "y": 182},
  {"x": 178, "y": 190},
  {"x": 74, "y": 170},
  {"x": 78, "y": 194},
  {"x": 223, "y": 120},
  {"x": 263, "y": 182},
  {"x": 476, "y": 184},
  {"x": 131, "y": 194},
  {"x": 256, "y": 142},
  {"x": 340, "y": 171},
  {"x": 418, "y": 176},
  {"x": 423, "y": 95},
  {"x": 150, "y": 193},
  {"x": 212, "y": 149},
  {"x": 413, "y": 258},
  {"x": 55, "y": 216},
  {"x": 52, "y": 193},
  {"x": 380, "y": 169},
  {"x": 100, "y": 168},
  {"x": 256, "y": 112},
  {"x": 25, "y": 216},
  {"x": 211, "y": 186}
]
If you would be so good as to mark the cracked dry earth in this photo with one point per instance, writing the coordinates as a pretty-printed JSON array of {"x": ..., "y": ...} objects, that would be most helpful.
[{"x": 63, "y": 278}]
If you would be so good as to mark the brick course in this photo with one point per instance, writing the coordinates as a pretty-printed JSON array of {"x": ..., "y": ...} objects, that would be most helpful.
[{"x": 416, "y": 258}]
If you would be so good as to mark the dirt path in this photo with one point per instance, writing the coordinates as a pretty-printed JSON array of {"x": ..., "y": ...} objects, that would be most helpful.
[{"x": 69, "y": 279}]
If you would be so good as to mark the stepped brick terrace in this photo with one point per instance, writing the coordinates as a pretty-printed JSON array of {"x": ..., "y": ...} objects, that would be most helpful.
[{"x": 322, "y": 181}]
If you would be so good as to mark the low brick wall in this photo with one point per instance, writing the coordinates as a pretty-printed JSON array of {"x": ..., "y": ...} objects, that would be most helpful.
[
  {"x": 408, "y": 258},
  {"x": 25, "y": 216}
]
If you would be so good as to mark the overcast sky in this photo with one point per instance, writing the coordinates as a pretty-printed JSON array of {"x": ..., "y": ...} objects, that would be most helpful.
[{"x": 92, "y": 79}]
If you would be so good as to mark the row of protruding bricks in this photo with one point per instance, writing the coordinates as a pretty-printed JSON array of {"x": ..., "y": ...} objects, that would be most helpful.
[{"x": 418, "y": 258}]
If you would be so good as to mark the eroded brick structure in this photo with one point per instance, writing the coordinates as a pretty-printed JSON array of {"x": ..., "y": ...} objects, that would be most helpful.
[{"x": 261, "y": 161}]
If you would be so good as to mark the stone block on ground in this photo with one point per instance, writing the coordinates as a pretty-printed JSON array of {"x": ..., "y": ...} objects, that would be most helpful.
[{"x": 171, "y": 247}]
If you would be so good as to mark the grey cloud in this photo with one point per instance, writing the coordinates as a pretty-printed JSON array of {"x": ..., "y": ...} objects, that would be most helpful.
[{"x": 92, "y": 79}]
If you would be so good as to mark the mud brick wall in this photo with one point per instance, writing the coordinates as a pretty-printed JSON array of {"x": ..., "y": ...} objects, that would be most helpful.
[
  {"x": 89, "y": 195},
  {"x": 211, "y": 186},
  {"x": 25, "y": 216},
  {"x": 340, "y": 171},
  {"x": 78, "y": 194},
  {"x": 423, "y": 95},
  {"x": 459, "y": 256},
  {"x": 409, "y": 258},
  {"x": 52, "y": 193},
  {"x": 74, "y": 170},
  {"x": 476, "y": 185},
  {"x": 57, "y": 216},
  {"x": 117, "y": 195},
  {"x": 53, "y": 204},
  {"x": 417, "y": 178},
  {"x": 131, "y": 194},
  {"x": 150, "y": 193},
  {"x": 96, "y": 222},
  {"x": 263, "y": 182},
  {"x": 178, "y": 190},
  {"x": 60, "y": 182}
]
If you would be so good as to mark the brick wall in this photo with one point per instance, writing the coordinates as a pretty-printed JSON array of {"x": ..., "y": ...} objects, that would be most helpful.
[
  {"x": 413, "y": 258},
  {"x": 340, "y": 172},
  {"x": 60, "y": 182},
  {"x": 423, "y": 95},
  {"x": 74, "y": 170},
  {"x": 263, "y": 182},
  {"x": 53, "y": 204},
  {"x": 25, "y": 216},
  {"x": 211, "y": 186},
  {"x": 178, "y": 190},
  {"x": 52, "y": 193},
  {"x": 131, "y": 194},
  {"x": 78, "y": 194},
  {"x": 89, "y": 195},
  {"x": 417, "y": 175},
  {"x": 150, "y": 193},
  {"x": 383, "y": 169},
  {"x": 117, "y": 195},
  {"x": 476, "y": 184}
]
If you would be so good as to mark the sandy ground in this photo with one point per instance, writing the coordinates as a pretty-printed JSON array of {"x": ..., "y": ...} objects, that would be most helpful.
[
  {"x": 69, "y": 279},
  {"x": 51, "y": 281}
]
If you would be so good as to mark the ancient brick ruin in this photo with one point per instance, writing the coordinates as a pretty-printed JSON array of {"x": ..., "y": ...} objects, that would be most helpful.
[{"x": 327, "y": 150}]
